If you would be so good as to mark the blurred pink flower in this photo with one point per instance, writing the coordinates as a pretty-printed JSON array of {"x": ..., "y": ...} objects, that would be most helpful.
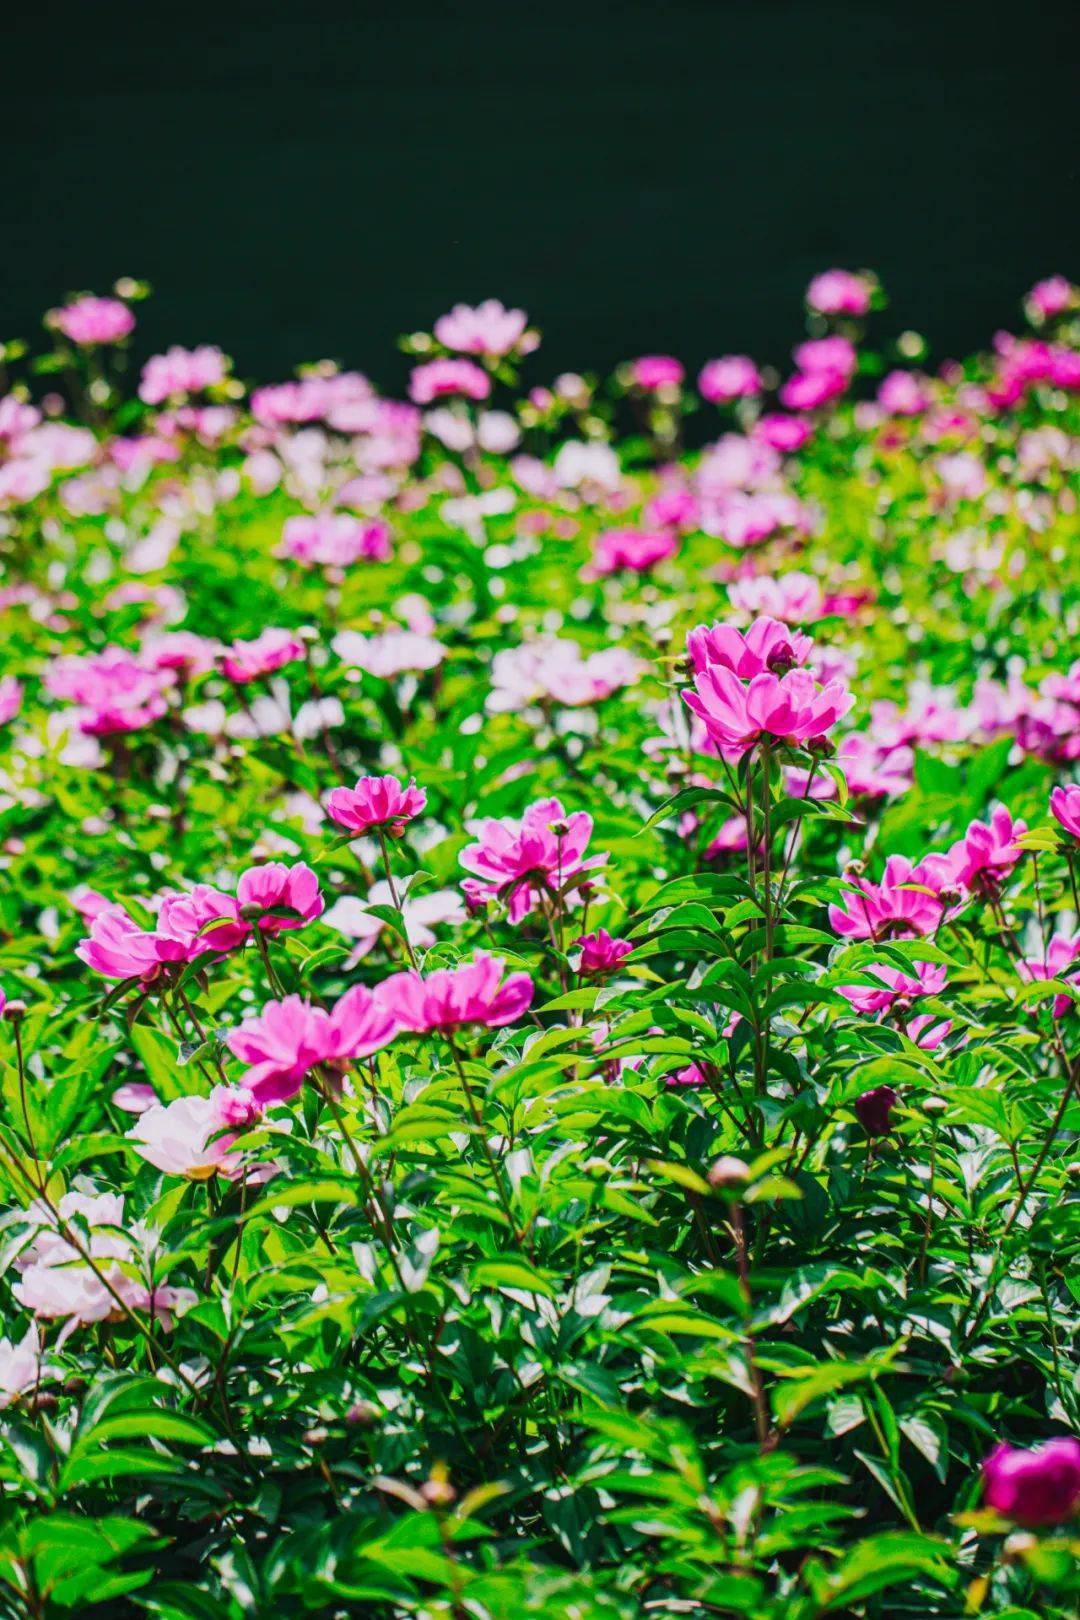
[
  {"x": 1037, "y": 1487},
  {"x": 1065, "y": 807},
  {"x": 809, "y": 390},
  {"x": 654, "y": 371},
  {"x": 95, "y": 320},
  {"x": 11, "y": 696},
  {"x": 830, "y": 354},
  {"x": 474, "y": 993},
  {"x": 559, "y": 671},
  {"x": 438, "y": 377},
  {"x": 733, "y": 376},
  {"x": 901, "y": 393},
  {"x": 334, "y": 540},
  {"x": 839, "y": 292},
  {"x": 636, "y": 550},
  {"x": 780, "y": 432},
  {"x": 180, "y": 372},
  {"x": 1050, "y": 298},
  {"x": 245, "y": 661},
  {"x": 377, "y": 803},
  {"x": 986, "y": 854},
  {"x": 794, "y": 597},
  {"x": 488, "y": 328},
  {"x": 351, "y": 917}
]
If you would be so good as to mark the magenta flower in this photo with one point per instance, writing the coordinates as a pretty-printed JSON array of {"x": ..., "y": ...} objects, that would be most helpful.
[
  {"x": 118, "y": 948},
  {"x": 1049, "y": 298},
  {"x": 1065, "y": 807},
  {"x": 655, "y": 371},
  {"x": 768, "y": 647},
  {"x": 906, "y": 904},
  {"x": 839, "y": 292},
  {"x": 488, "y": 328},
  {"x": 377, "y": 803},
  {"x": 524, "y": 862},
  {"x": 600, "y": 952},
  {"x": 987, "y": 853},
  {"x": 438, "y": 377},
  {"x": 789, "y": 708},
  {"x": 263, "y": 889},
  {"x": 733, "y": 376},
  {"x": 288, "y": 1038},
  {"x": 180, "y": 372},
  {"x": 112, "y": 690},
  {"x": 809, "y": 390},
  {"x": 1061, "y": 953},
  {"x": 780, "y": 432},
  {"x": 1036, "y": 1487},
  {"x": 245, "y": 661},
  {"x": 636, "y": 550},
  {"x": 928, "y": 979},
  {"x": 874, "y": 1108},
  {"x": 334, "y": 540},
  {"x": 872, "y": 771},
  {"x": 201, "y": 919},
  {"x": 89, "y": 321},
  {"x": 474, "y": 993},
  {"x": 832, "y": 353}
]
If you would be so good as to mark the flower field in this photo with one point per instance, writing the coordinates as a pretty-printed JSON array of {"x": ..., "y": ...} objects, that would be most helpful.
[{"x": 540, "y": 959}]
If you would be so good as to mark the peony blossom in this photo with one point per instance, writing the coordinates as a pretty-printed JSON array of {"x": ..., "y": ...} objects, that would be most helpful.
[
  {"x": 1065, "y": 808},
  {"x": 188, "y": 1137},
  {"x": 487, "y": 329},
  {"x": 1061, "y": 954},
  {"x": 264, "y": 890},
  {"x": 113, "y": 691},
  {"x": 903, "y": 394},
  {"x": 1037, "y": 1487},
  {"x": 118, "y": 948},
  {"x": 11, "y": 696},
  {"x": 439, "y": 377},
  {"x": 986, "y": 854},
  {"x": 925, "y": 979},
  {"x": 795, "y": 597},
  {"x": 873, "y": 771},
  {"x": 780, "y": 432},
  {"x": 809, "y": 390},
  {"x": 1049, "y": 298},
  {"x": 245, "y": 661},
  {"x": 651, "y": 372},
  {"x": 335, "y": 540},
  {"x": 21, "y": 1366},
  {"x": 560, "y": 672},
  {"x": 873, "y": 1110},
  {"x": 839, "y": 292},
  {"x": 831, "y": 354},
  {"x": 89, "y": 321},
  {"x": 394, "y": 652},
  {"x": 636, "y": 550},
  {"x": 377, "y": 804},
  {"x": 600, "y": 952},
  {"x": 529, "y": 861},
  {"x": 906, "y": 904},
  {"x": 733, "y": 376},
  {"x": 790, "y": 708},
  {"x": 351, "y": 917},
  {"x": 474, "y": 993},
  {"x": 767, "y": 647},
  {"x": 289, "y": 1038},
  {"x": 180, "y": 371}
]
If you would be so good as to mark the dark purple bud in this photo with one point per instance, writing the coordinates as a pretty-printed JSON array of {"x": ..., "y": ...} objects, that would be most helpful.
[{"x": 873, "y": 1109}]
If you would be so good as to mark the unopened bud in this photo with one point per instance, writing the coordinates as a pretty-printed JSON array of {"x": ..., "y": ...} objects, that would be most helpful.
[
  {"x": 438, "y": 1491},
  {"x": 15, "y": 1012},
  {"x": 362, "y": 1413},
  {"x": 728, "y": 1172}
]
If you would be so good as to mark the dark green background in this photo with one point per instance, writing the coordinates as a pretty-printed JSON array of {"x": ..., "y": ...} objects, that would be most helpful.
[{"x": 314, "y": 180}]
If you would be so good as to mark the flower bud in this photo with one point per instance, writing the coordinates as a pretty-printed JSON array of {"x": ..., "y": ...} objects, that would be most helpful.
[
  {"x": 728, "y": 1172},
  {"x": 15, "y": 1011}
]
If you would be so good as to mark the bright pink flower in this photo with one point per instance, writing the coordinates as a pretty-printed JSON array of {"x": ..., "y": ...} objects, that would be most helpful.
[
  {"x": 675, "y": 507},
  {"x": 733, "y": 376},
  {"x": 832, "y": 353},
  {"x": 1065, "y": 807},
  {"x": 88, "y": 902},
  {"x": 1061, "y": 953},
  {"x": 655, "y": 371},
  {"x": 780, "y": 432},
  {"x": 112, "y": 690},
  {"x": 488, "y": 328},
  {"x": 275, "y": 886},
  {"x": 246, "y": 660},
  {"x": 451, "y": 997},
  {"x": 334, "y": 540},
  {"x": 1049, "y": 298},
  {"x": 377, "y": 803},
  {"x": 201, "y": 919},
  {"x": 790, "y": 708},
  {"x": 181, "y": 371},
  {"x": 600, "y": 952},
  {"x": 95, "y": 320},
  {"x": 905, "y": 904},
  {"x": 11, "y": 696},
  {"x": 523, "y": 862},
  {"x": 288, "y": 1038},
  {"x": 926, "y": 979},
  {"x": 438, "y": 377},
  {"x": 767, "y": 647},
  {"x": 839, "y": 292},
  {"x": 987, "y": 852},
  {"x": 809, "y": 390},
  {"x": 1037, "y": 1487},
  {"x": 636, "y": 550},
  {"x": 118, "y": 948}
]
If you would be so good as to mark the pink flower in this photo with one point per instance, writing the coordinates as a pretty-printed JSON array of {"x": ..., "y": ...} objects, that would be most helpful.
[
  {"x": 1061, "y": 953},
  {"x": 674, "y": 507},
  {"x": 246, "y": 660},
  {"x": 11, "y": 696},
  {"x": 733, "y": 376},
  {"x": 112, "y": 689},
  {"x": 839, "y": 292},
  {"x": 808, "y": 390},
  {"x": 201, "y": 919},
  {"x": 181, "y": 371},
  {"x": 790, "y": 708},
  {"x": 334, "y": 540},
  {"x": 637, "y": 550},
  {"x": 905, "y": 904},
  {"x": 1065, "y": 807},
  {"x": 1049, "y": 298},
  {"x": 780, "y": 432},
  {"x": 187, "y": 1137},
  {"x": 181, "y": 650},
  {"x": 927, "y": 979},
  {"x": 767, "y": 647},
  {"x": 118, "y": 948},
  {"x": 902, "y": 394},
  {"x": 314, "y": 399},
  {"x": 654, "y": 371},
  {"x": 559, "y": 671},
  {"x": 600, "y": 952},
  {"x": 21, "y": 1368},
  {"x": 451, "y": 997},
  {"x": 351, "y": 917},
  {"x": 488, "y": 329},
  {"x": 795, "y": 597},
  {"x": 134, "y": 1097},
  {"x": 95, "y": 320},
  {"x": 873, "y": 771},
  {"x": 987, "y": 852},
  {"x": 833, "y": 353},
  {"x": 290, "y": 1037},
  {"x": 438, "y": 377},
  {"x": 1037, "y": 1487},
  {"x": 524, "y": 862},
  {"x": 377, "y": 802},
  {"x": 275, "y": 886}
]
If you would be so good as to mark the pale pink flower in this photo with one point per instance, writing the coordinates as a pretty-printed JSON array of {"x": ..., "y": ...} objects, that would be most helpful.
[
  {"x": 314, "y": 399},
  {"x": 351, "y": 917},
  {"x": 901, "y": 393},
  {"x": 488, "y": 328},
  {"x": 528, "y": 861},
  {"x": 188, "y": 1137},
  {"x": 21, "y": 1367},
  {"x": 873, "y": 772},
  {"x": 335, "y": 540},
  {"x": 11, "y": 696},
  {"x": 558, "y": 671},
  {"x": 1065, "y": 808},
  {"x": 600, "y": 951},
  {"x": 391, "y": 653},
  {"x": 377, "y": 803},
  {"x": 905, "y": 904},
  {"x": 767, "y": 647},
  {"x": 439, "y": 377},
  {"x": 89, "y": 321},
  {"x": 1049, "y": 298},
  {"x": 181, "y": 371},
  {"x": 795, "y": 597},
  {"x": 17, "y": 417},
  {"x": 245, "y": 661},
  {"x": 733, "y": 376},
  {"x": 184, "y": 651},
  {"x": 474, "y": 993},
  {"x": 275, "y": 887},
  {"x": 655, "y": 371},
  {"x": 839, "y": 292},
  {"x": 636, "y": 550},
  {"x": 1062, "y": 953},
  {"x": 134, "y": 1097},
  {"x": 832, "y": 353},
  {"x": 963, "y": 476}
]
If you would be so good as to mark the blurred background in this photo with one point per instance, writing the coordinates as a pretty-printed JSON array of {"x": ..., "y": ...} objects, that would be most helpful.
[{"x": 639, "y": 177}]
